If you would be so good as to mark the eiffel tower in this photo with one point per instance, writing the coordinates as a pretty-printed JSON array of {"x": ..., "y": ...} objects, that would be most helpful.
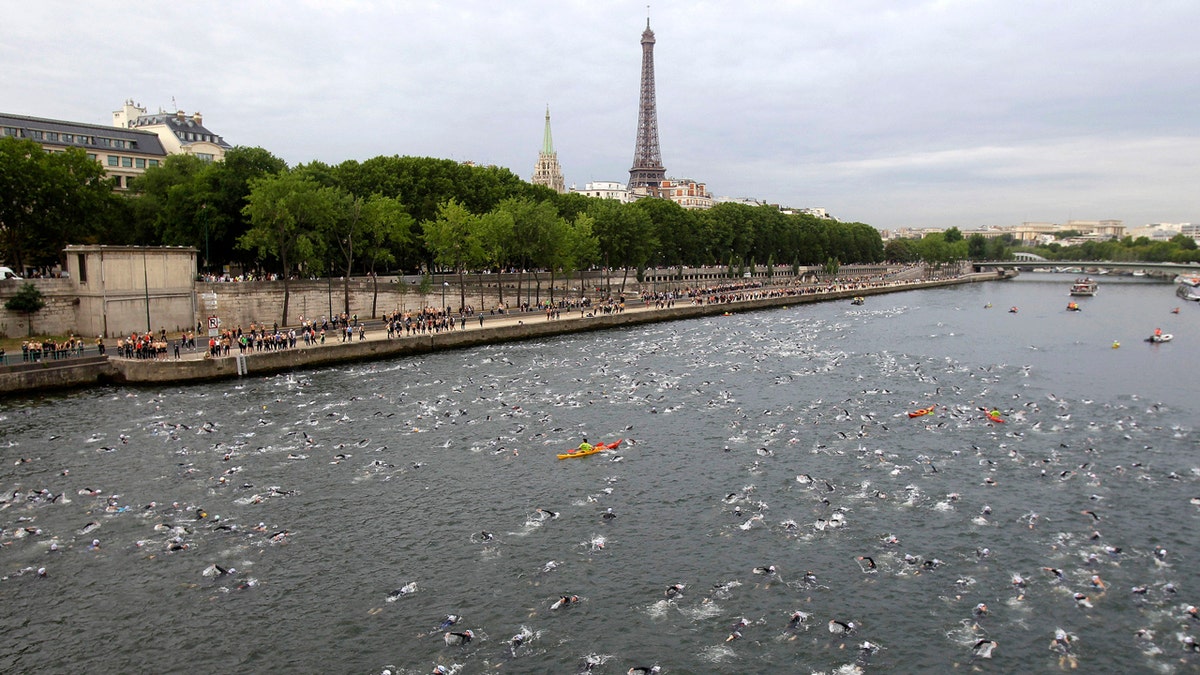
[{"x": 647, "y": 172}]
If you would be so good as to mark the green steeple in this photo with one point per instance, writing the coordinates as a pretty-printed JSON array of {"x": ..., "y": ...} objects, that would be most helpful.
[{"x": 547, "y": 142}]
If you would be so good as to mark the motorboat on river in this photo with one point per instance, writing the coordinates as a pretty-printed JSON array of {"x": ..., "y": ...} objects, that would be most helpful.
[
  {"x": 1084, "y": 286},
  {"x": 1188, "y": 288}
]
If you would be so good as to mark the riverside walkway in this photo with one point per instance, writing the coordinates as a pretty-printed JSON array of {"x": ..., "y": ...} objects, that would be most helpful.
[{"x": 196, "y": 365}]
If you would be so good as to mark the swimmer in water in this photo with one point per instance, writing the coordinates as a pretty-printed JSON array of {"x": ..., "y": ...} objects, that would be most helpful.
[
  {"x": 515, "y": 642},
  {"x": 1062, "y": 645},
  {"x": 608, "y": 515},
  {"x": 841, "y": 627},
  {"x": 547, "y": 513},
  {"x": 462, "y": 638},
  {"x": 736, "y": 631},
  {"x": 983, "y": 649},
  {"x": 565, "y": 600},
  {"x": 766, "y": 569},
  {"x": 866, "y": 563},
  {"x": 797, "y": 619},
  {"x": 674, "y": 590},
  {"x": 644, "y": 670}
]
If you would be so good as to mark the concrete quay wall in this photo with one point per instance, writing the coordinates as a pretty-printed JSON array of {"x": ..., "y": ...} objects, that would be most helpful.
[
  {"x": 79, "y": 372},
  {"x": 56, "y": 374},
  {"x": 530, "y": 326}
]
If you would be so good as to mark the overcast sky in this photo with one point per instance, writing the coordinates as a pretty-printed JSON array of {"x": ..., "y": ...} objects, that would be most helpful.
[{"x": 890, "y": 113}]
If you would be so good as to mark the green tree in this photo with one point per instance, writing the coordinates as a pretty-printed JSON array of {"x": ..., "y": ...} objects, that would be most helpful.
[
  {"x": 344, "y": 235},
  {"x": 901, "y": 251},
  {"x": 49, "y": 200},
  {"x": 287, "y": 212},
  {"x": 976, "y": 246},
  {"x": 424, "y": 287},
  {"x": 675, "y": 230},
  {"x": 1184, "y": 242},
  {"x": 453, "y": 241},
  {"x": 496, "y": 243},
  {"x": 625, "y": 236},
  {"x": 584, "y": 246},
  {"x": 952, "y": 235},
  {"x": 387, "y": 232},
  {"x": 28, "y": 300}
]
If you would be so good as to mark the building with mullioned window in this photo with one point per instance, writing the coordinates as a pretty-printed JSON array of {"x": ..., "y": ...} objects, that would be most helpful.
[
  {"x": 124, "y": 153},
  {"x": 135, "y": 142},
  {"x": 180, "y": 133}
]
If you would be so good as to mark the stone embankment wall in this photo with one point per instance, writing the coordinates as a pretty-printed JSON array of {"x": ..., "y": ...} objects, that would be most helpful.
[
  {"x": 260, "y": 363},
  {"x": 261, "y": 302},
  {"x": 89, "y": 371},
  {"x": 56, "y": 318},
  {"x": 61, "y": 374}
]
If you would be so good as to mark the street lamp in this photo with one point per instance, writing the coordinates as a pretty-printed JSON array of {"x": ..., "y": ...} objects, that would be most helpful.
[
  {"x": 204, "y": 214},
  {"x": 146, "y": 285},
  {"x": 444, "y": 285}
]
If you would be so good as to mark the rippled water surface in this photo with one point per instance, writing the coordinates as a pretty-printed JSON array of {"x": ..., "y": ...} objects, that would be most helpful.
[{"x": 329, "y": 520}]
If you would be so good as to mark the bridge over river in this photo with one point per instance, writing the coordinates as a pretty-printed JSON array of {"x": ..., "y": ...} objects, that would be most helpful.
[{"x": 1162, "y": 270}]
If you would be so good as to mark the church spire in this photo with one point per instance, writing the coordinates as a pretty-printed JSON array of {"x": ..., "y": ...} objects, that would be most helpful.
[
  {"x": 547, "y": 142},
  {"x": 547, "y": 171}
]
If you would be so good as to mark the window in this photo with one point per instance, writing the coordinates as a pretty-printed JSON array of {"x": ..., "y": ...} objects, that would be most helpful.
[
  {"x": 127, "y": 162},
  {"x": 204, "y": 156},
  {"x": 12, "y": 131},
  {"x": 68, "y": 138},
  {"x": 117, "y": 181},
  {"x": 113, "y": 160},
  {"x": 92, "y": 156},
  {"x": 153, "y": 162},
  {"x": 140, "y": 163},
  {"x": 51, "y": 136},
  {"x": 36, "y": 135},
  {"x": 82, "y": 267}
]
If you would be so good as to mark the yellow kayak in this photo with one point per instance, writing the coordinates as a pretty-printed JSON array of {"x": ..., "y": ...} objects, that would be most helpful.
[{"x": 595, "y": 448}]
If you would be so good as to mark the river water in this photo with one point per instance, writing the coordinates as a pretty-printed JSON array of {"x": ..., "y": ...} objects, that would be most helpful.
[{"x": 354, "y": 508}]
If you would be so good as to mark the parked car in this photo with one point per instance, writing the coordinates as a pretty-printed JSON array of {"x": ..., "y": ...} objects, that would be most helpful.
[{"x": 7, "y": 273}]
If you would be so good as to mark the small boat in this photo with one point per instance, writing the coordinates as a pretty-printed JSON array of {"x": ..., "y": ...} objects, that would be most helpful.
[
  {"x": 1013, "y": 310},
  {"x": 1085, "y": 286},
  {"x": 1189, "y": 288},
  {"x": 1160, "y": 337},
  {"x": 858, "y": 300},
  {"x": 923, "y": 411},
  {"x": 994, "y": 415},
  {"x": 1072, "y": 306},
  {"x": 599, "y": 447}
]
